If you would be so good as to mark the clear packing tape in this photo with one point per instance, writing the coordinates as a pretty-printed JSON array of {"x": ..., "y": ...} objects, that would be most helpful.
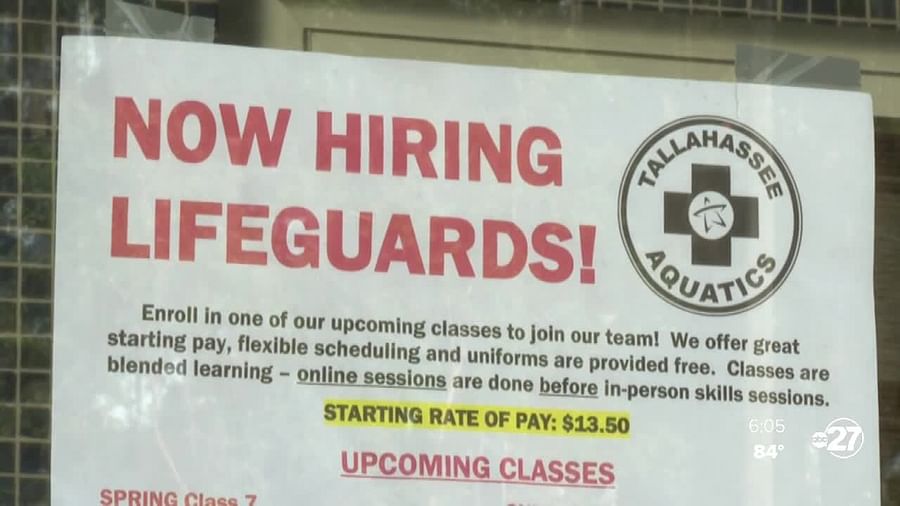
[
  {"x": 770, "y": 66},
  {"x": 129, "y": 20}
]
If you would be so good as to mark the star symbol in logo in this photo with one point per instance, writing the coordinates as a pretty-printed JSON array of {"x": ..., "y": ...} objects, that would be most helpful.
[{"x": 712, "y": 213}]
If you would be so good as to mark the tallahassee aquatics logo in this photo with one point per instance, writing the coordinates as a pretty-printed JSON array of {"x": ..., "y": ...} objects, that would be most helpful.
[{"x": 710, "y": 215}]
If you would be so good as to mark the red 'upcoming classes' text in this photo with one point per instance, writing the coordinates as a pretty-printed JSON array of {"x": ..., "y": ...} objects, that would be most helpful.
[{"x": 479, "y": 468}]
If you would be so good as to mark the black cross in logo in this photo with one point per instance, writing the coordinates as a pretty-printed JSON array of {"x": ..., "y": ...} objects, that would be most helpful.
[{"x": 676, "y": 215}]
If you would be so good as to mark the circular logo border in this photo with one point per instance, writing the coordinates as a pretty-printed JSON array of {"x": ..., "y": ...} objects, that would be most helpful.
[{"x": 792, "y": 192}]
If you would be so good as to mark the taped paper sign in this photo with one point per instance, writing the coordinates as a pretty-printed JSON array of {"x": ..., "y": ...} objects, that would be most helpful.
[{"x": 291, "y": 278}]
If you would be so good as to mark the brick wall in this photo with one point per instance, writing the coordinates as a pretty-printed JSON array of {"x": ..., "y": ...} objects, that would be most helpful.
[{"x": 30, "y": 31}]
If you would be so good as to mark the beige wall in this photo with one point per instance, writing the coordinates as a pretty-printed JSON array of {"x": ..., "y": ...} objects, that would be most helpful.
[{"x": 550, "y": 36}]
